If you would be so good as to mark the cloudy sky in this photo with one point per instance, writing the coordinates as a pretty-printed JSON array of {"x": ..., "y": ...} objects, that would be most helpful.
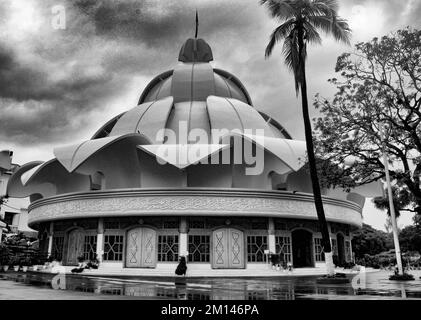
[{"x": 58, "y": 86}]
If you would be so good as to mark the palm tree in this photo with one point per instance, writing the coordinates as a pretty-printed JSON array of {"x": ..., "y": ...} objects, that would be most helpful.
[{"x": 301, "y": 21}]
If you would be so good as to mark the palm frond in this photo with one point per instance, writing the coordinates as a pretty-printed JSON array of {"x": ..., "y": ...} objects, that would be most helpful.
[
  {"x": 341, "y": 30},
  {"x": 311, "y": 34},
  {"x": 278, "y": 34},
  {"x": 290, "y": 51},
  {"x": 332, "y": 25},
  {"x": 326, "y": 7},
  {"x": 280, "y": 9}
]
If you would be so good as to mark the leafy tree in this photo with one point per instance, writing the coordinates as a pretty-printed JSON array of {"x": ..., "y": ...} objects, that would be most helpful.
[
  {"x": 301, "y": 20},
  {"x": 410, "y": 239},
  {"x": 368, "y": 240},
  {"x": 380, "y": 85}
]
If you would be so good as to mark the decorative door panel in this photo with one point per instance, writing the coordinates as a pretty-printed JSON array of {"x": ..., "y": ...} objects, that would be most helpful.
[
  {"x": 141, "y": 248},
  {"x": 228, "y": 249},
  {"x": 148, "y": 248},
  {"x": 236, "y": 248},
  {"x": 74, "y": 246},
  {"x": 133, "y": 250},
  {"x": 220, "y": 249}
]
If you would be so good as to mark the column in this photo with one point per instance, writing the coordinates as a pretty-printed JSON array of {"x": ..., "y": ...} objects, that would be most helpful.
[
  {"x": 50, "y": 240},
  {"x": 2, "y": 225},
  {"x": 183, "y": 238},
  {"x": 271, "y": 237},
  {"x": 350, "y": 248},
  {"x": 100, "y": 240}
]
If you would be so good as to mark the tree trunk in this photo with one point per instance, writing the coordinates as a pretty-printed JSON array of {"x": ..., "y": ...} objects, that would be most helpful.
[{"x": 313, "y": 170}]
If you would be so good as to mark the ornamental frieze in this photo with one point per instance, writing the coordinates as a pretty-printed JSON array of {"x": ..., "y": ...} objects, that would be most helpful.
[{"x": 209, "y": 205}]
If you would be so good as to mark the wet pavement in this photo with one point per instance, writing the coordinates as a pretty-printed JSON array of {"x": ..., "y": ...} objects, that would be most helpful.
[{"x": 35, "y": 285}]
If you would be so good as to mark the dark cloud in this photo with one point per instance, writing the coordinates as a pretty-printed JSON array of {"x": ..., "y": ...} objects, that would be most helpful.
[
  {"x": 53, "y": 81},
  {"x": 19, "y": 81},
  {"x": 159, "y": 23},
  {"x": 119, "y": 39}
]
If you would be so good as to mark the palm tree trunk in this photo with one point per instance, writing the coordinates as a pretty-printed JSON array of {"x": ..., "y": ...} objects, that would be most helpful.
[{"x": 313, "y": 170}]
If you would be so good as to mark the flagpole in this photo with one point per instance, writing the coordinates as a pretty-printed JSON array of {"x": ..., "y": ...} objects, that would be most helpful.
[{"x": 391, "y": 206}]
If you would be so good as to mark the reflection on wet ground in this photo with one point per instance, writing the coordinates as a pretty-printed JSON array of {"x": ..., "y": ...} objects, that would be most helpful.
[{"x": 370, "y": 285}]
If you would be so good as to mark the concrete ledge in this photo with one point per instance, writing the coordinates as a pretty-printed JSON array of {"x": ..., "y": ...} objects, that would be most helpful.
[
  {"x": 212, "y": 273},
  {"x": 191, "y": 202}
]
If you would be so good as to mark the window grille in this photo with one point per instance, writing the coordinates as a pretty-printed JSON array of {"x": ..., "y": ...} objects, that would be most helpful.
[
  {"x": 113, "y": 248},
  {"x": 89, "y": 248},
  {"x": 256, "y": 246},
  {"x": 318, "y": 250},
  {"x": 283, "y": 248},
  {"x": 58, "y": 242},
  {"x": 168, "y": 248},
  {"x": 199, "y": 248}
]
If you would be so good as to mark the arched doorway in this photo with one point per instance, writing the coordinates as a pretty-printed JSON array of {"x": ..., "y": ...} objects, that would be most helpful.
[
  {"x": 228, "y": 249},
  {"x": 341, "y": 248},
  {"x": 141, "y": 248},
  {"x": 75, "y": 240},
  {"x": 302, "y": 253}
]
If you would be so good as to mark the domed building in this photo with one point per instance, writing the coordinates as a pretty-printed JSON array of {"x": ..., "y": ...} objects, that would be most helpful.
[{"x": 195, "y": 170}]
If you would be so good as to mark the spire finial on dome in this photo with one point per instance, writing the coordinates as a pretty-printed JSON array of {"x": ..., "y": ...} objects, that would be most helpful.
[
  {"x": 195, "y": 50},
  {"x": 197, "y": 25}
]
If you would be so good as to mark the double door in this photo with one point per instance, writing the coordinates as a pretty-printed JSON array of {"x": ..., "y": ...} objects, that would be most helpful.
[
  {"x": 141, "y": 248},
  {"x": 228, "y": 249},
  {"x": 75, "y": 242}
]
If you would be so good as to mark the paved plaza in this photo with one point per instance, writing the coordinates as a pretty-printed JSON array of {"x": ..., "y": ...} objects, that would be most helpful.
[{"x": 370, "y": 286}]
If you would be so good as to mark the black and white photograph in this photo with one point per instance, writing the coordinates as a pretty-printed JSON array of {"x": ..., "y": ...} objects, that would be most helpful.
[{"x": 232, "y": 151}]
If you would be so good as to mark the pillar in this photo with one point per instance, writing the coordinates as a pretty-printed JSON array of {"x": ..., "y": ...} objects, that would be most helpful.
[
  {"x": 100, "y": 240},
  {"x": 2, "y": 225},
  {"x": 50, "y": 240},
  {"x": 271, "y": 237},
  {"x": 350, "y": 248},
  {"x": 183, "y": 238}
]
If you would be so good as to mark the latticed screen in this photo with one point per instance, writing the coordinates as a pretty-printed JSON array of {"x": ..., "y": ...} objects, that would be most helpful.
[
  {"x": 256, "y": 246},
  {"x": 113, "y": 248},
  {"x": 58, "y": 247},
  {"x": 318, "y": 250},
  {"x": 283, "y": 248},
  {"x": 111, "y": 224},
  {"x": 170, "y": 224},
  {"x": 348, "y": 251},
  {"x": 259, "y": 224},
  {"x": 199, "y": 248},
  {"x": 89, "y": 248},
  {"x": 335, "y": 246},
  {"x": 196, "y": 224},
  {"x": 280, "y": 225},
  {"x": 168, "y": 248}
]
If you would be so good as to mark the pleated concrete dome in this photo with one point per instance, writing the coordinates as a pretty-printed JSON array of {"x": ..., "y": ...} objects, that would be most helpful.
[{"x": 194, "y": 95}]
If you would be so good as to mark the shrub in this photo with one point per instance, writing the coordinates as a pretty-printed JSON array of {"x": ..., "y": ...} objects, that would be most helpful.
[{"x": 4, "y": 255}]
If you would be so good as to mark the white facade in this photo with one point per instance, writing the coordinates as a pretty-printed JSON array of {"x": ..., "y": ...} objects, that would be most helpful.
[
  {"x": 133, "y": 200},
  {"x": 14, "y": 211}
]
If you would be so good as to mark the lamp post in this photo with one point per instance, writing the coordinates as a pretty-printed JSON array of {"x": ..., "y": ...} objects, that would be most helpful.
[{"x": 391, "y": 205}]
